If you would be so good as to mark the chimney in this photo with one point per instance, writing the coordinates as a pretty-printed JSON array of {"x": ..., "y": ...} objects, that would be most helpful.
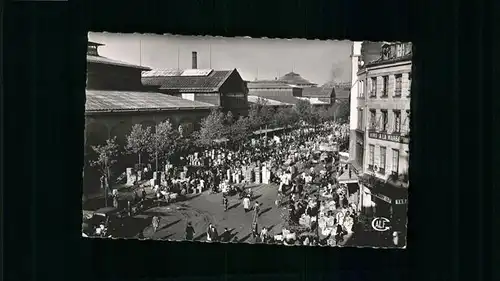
[{"x": 195, "y": 61}]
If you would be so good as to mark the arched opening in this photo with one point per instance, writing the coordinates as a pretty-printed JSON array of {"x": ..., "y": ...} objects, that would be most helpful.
[
  {"x": 96, "y": 134},
  {"x": 187, "y": 125},
  {"x": 120, "y": 131},
  {"x": 149, "y": 123}
]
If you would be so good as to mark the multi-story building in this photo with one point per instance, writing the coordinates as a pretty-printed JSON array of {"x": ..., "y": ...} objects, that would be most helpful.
[{"x": 380, "y": 140}]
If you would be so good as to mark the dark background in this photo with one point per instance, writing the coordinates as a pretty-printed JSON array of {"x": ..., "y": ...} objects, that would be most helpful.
[{"x": 43, "y": 57}]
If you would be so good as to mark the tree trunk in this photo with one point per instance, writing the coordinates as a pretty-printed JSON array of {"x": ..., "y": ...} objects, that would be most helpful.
[
  {"x": 156, "y": 160},
  {"x": 139, "y": 159},
  {"x": 107, "y": 186}
]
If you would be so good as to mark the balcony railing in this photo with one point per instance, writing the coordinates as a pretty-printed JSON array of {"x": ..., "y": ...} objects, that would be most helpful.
[{"x": 381, "y": 171}]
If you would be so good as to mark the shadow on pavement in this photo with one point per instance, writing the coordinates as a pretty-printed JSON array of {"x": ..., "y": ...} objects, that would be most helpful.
[
  {"x": 245, "y": 238},
  {"x": 132, "y": 227},
  {"x": 189, "y": 197},
  {"x": 265, "y": 211},
  {"x": 198, "y": 238},
  {"x": 234, "y": 206},
  {"x": 256, "y": 197},
  {"x": 170, "y": 224},
  {"x": 232, "y": 235},
  {"x": 166, "y": 237}
]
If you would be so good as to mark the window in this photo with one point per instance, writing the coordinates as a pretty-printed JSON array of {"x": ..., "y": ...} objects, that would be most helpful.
[
  {"x": 384, "y": 120},
  {"x": 385, "y": 85},
  {"x": 373, "y": 119},
  {"x": 373, "y": 90},
  {"x": 406, "y": 124},
  {"x": 395, "y": 161},
  {"x": 360, "y": 119},
  {"x": 397, "y": 121},
  {"x": 361, "y": 89},
  {"x": 371, "y": 157},
  {"x": 409, "y": 83},
  {"x": 381, "y": 169},
  {"x": 400, "y": 50},
  {"x": 399, "y": 81}
]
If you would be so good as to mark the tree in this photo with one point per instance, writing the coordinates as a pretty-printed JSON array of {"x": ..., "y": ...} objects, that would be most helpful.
[
  {"x": 138, "y": 140},
  {"x": 304, "y": 110},
  {"x": 212, "y": 128},
  {"x": 162, "y": 142},
  {"x": 281, "y": 117},
  {"x": 240, "y": 130},
  {"x": 228, "y": 124},
  {"x": 106, "y": 158},
  {"x": 323, "y": 115},
  {"x": 258, "y": 114},
  {"x": 342, "y": 110}
]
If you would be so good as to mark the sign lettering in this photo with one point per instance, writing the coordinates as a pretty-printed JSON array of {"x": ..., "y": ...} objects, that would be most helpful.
[
  {"x": 401, "y": 201},
  {"x": 383, "y": 197},
  {"x": 381, "y": 224},
  {"x": 388, "y": 137}
]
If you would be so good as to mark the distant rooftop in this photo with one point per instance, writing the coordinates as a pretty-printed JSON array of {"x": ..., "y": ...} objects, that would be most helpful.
[
  {"x": 123, "y": 101},
  {"x": 295, "y": 79},
  {"x": 198, "y": 80},
  {"x": 268, "y": 101},
  {"x": 268, "y": 84}
]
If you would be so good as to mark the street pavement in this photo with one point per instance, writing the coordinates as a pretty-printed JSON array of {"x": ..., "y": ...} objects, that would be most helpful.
[{"x": 203, "y": 209}]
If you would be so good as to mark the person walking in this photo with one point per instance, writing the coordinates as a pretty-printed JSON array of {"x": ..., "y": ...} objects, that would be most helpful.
[
  {"x": 246, "y": 204},
  {"x": 224, "y": 202},
  {"x": 189, "y": 232},
  {"x": 156, "y": 223}
]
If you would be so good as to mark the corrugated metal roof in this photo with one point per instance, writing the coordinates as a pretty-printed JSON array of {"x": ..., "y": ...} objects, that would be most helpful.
[
  {"x": 342, "y": 93},
  {"x": 268, "y": 84},
  {"x": 295, "y": 79},
  {"x": 162, "y": 72},
  {"x": 284, "y": 99},
  {"x": 313, "y": 101},
  {"x": 104, "y": 60},
  {"x": 210, "y": 83},
  {"x": 100, "y": 101},
  {"x": 271, "y": 102},
  {"x": 318, "y": 92}
]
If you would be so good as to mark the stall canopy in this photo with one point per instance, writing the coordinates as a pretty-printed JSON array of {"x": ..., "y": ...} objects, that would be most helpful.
[{"x": 344, "y": 178}]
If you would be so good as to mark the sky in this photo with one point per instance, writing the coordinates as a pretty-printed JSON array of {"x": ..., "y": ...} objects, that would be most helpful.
[{"x": 315, "y": 60}]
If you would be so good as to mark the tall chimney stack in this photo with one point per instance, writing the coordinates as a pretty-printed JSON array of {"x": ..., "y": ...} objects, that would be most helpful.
[{"x": 195, "y": 61}]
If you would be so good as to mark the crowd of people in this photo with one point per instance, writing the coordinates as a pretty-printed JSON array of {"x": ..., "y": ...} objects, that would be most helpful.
[{"x": 315, "y": 207}]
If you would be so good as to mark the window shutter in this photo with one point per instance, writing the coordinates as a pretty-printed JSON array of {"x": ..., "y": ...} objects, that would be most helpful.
[
  {"x": 378, "y": 122},
  {"x": 388, "y": 162}
]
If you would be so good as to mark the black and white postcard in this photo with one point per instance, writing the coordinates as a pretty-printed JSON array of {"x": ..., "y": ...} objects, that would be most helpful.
[{"x": 247, "y": 140}]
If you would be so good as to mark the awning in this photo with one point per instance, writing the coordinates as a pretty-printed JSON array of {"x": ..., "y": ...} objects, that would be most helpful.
[
  {"x": 385, "y": 191},
  {"x": 344, "y": 178}
]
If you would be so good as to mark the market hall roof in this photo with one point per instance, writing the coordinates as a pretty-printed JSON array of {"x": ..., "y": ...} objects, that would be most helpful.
[
  {"x": 295, "y": 79},
  {"x": 324, "y": 91},
  {"x": 94, "y": 57},
  {"x": 189, "y": 80},
  {"x": 268, "y": 101},
  {"x": 268, "y": 84},
  {"x": 104, "y": 60},
  {"x": 124, "y": 101}
]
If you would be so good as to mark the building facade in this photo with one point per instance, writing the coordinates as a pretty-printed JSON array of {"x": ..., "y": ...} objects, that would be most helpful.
[
  {"x": 380, "y": 131},
  {"x": 116, "y": 100},
  {"x": 223, "y": 88},
  {"x": 280, "y": 91}
]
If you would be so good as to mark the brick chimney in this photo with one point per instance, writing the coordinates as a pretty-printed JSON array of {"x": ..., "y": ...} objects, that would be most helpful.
[{"x": 194, "y": 62}]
